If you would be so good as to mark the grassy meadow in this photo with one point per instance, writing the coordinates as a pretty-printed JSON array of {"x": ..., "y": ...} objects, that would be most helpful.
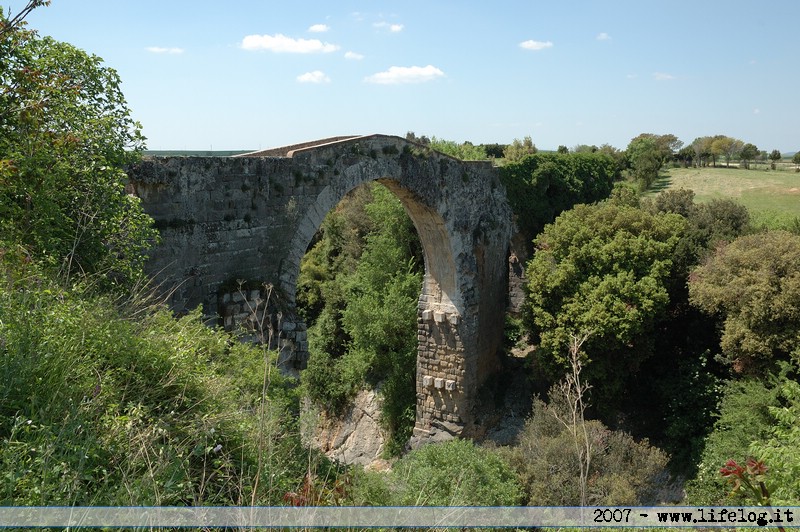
[{"x": 772, "y": 196}]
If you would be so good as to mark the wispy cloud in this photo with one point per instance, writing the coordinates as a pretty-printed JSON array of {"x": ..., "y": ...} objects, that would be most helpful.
[
  {"x": 603, "y": 36},
  {"x": 319, "y": 28},
  {"x": 162, "y": 50},
  {"x": 662, "y": 76},
  {"x": 353, "y": 56},
  {"x": 394, "y": 28},
  {"x": 397, "y": 75},
  {"x": 280, "y": 43},
  {"x": 756, "y": 111},
  {"x": 535, "y": 45},
  {"x": 316, "y": 76}
]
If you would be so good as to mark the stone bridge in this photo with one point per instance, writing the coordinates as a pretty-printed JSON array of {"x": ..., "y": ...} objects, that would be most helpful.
[{"x": 234, "y": 230}]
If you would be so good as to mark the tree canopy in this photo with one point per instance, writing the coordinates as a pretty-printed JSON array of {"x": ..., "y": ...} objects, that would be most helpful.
[
  {"x": 65, "y": 135},
  {"x": 754, "y": 282},
  {"x": 601, "y": 269}
]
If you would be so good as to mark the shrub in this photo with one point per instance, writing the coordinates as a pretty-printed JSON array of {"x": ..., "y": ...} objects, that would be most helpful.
[
  {"x": 622, "y": 472},
  {"x": 454, "y": 473},
  {"x": 744, "y": 417}
]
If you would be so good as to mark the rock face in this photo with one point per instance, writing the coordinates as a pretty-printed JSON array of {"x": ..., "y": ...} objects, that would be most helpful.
[
  {"x": 357, "y": 437},
  {"x": 252, "y": 218}
]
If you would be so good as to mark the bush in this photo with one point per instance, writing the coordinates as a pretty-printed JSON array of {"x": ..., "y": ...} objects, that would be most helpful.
[
  {"x": 622, "y": 471},
  {"x": 542, "y": 185},
  {"x": 454, "y": 473},
  {"x": 744, "y": 417}
]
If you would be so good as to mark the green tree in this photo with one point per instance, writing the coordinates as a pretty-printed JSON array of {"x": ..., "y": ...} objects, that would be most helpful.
[
  {"x": 365, "y": 275},
  {"x": 749, "y": 153},
  {"x": 465, "y": 151},
  {"x": 647, "y": 154},
  {"x": 66, "y": 134},
  {"x": 702, "y": 150},
  {"x": 775, "y": 156},
  {"x": 754, "y": 283},
  {"x": 602, "y": 269},
  {"x": 543, "y": 185},
  {"x": 518, "y": 149},
  {"x": 722, "y": 146},
  {"x": 622, "y": 470}
]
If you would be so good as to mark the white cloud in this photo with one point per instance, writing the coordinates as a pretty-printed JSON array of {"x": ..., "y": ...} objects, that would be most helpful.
[
  {"x": 319, "y": 28},
  {"x": 397, "y": 75},
  {"x": 394, "y": 28},
  {"x": 162, "y": 50},
  {"x": 603, "y": 36},
  {"x": 353, "y": 56},
  {"x": 756, "y": 111},
  {"x": 661, "y": 76},
  {"x": 535, "y": 45},
  {"x": 632, "y": 76},
  {"x": 280, "y": 43},
  {"x": 316, "y": 76}
]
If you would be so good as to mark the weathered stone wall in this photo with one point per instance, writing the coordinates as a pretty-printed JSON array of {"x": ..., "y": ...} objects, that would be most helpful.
[{"x": 252, "y": 218}]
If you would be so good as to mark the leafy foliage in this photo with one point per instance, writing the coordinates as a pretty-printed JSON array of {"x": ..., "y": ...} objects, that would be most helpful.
[
  {"x": 543, "y": 185},
  {"x": 744, "y": 417},
  {"x": 66, "y": 134},
  {"x": 623, "y": 471},
  {"x": 454, "y": 473},
  {"x": 601, "y": 269},
  {"x": 365, "y": 333},
  {"x": 647, "y": 154},
  {"x": 465, "y": 151},
  {"x": 107, "y": 403},
  {"x": 779, "y": 450},
  {"x": 519, "y": 149},
  {"x": 755, "y": 283}
]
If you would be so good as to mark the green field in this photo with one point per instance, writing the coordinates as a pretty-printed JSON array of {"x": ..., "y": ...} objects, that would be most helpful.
[{"x": 773, "y": 197}]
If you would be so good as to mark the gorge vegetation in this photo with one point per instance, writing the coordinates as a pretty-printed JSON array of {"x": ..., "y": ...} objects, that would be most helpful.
[{"x": 676, "y": 322}]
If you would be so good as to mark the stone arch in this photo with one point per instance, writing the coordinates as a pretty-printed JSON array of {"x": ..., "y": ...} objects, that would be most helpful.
[
  {"x": 440, "y": 273},
  {"x": 253, "y": 217}
]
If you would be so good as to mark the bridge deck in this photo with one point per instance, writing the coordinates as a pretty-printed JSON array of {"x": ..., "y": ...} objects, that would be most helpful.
[{"x": 285, "y": 151}]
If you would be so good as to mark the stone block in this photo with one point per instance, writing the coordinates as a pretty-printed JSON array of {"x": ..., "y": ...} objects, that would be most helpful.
[
  {"x": 427, "y": 380},
  {"x": 438, "y": 383},
  {"x": 438, "y": 316},
  {"x": 453, "y": 319},
  {"x": 427, "y": 315}
]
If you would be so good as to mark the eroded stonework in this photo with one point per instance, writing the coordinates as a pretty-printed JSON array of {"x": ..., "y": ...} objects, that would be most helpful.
[{"x": 251, "y": 218}]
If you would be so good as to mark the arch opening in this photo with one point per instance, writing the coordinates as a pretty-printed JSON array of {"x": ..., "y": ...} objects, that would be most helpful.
[{"x": 358, "y": 288}]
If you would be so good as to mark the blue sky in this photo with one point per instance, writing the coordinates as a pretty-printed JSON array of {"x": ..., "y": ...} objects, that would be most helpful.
[{"x": 251, "y": 75}]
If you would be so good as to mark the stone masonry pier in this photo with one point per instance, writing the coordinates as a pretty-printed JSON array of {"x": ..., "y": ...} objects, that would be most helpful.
[{"x": 234, "y": 230}]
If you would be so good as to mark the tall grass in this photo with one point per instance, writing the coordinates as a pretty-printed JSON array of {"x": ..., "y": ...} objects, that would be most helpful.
[{"x": 110, "y": 403}]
